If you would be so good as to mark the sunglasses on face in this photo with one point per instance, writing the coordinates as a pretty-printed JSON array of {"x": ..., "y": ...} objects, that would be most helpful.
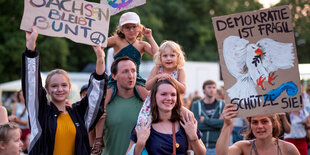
[{"x": 128, "y": 28}]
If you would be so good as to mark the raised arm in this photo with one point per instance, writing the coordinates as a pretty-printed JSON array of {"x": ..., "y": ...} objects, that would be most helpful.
[
  {"x": 152, "y": 79},
  {"x": 31, "y": 38},
  {"x": 100, "y": 64},
  {"x": 152, "y": 47},
  {"x": 229, "y": 113}
]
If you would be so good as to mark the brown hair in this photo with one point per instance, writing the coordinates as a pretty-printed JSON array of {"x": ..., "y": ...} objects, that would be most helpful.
[
  {"x": 120, "y": 34},
  {"x": 208, "y": 82},
  {"x": 5, "y": 129},
  {"x": 114, "y": 66},
  {"x": 276, "y": 127},
  {"x": 175, "y": 116},
  {"x": 54, "y": 72}
]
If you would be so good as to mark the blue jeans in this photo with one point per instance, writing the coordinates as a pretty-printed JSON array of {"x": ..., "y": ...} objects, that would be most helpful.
[{"x": 211, "y": 151}]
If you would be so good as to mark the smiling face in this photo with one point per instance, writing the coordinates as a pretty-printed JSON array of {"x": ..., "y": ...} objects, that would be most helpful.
[
  {"x": 169, "y": 58},
  {"x": 14, "y": 145},
  {"x": 166, "y": 97},
  {"x": 58, "y": 88},
  {"x": 131, "y": 31},
  {"x": 261, "y": 126}
]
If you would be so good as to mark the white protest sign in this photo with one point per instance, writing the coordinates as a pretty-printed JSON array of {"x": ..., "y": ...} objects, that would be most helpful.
[{"x": 78, "y": 20}]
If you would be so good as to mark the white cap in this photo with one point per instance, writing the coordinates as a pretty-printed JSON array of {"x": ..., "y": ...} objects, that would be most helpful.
[{"x": 129, "y": 17}]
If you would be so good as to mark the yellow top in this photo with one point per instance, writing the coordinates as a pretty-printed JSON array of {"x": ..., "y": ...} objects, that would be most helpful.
[{"x": 65, "y": 135}]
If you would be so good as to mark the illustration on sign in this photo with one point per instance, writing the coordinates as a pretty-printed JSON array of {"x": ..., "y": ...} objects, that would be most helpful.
[{"x": 253, "y": 64}]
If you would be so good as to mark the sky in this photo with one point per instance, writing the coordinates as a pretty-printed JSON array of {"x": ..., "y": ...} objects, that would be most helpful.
[{"x": 268, "y": 3}]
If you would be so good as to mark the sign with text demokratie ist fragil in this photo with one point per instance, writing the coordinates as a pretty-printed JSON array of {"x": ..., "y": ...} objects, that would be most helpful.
[
  {"x": 258, "y": 61},
  {"x": 81, "y": 21}
]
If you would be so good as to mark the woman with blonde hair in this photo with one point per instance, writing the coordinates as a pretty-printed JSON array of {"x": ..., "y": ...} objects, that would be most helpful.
[{"x": 55, "y": 127}]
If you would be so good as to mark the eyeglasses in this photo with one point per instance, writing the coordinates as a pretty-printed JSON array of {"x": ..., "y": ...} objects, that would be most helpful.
[{"x": 128, "y": 28}]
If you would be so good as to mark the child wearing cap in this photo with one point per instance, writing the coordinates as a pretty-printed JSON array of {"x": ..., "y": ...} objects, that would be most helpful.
[{"x": 127, "y": 41}]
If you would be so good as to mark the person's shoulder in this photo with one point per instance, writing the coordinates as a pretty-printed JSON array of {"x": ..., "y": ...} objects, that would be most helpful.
[
  {"x": 220, "y": 102},
  {"x": 288, "y": 148},
  {"x": 240, "y": 146},
  {"x": 195, "y": 103}
]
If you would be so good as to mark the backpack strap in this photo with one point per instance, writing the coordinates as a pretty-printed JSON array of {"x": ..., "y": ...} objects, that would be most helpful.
[
  {"x": 199, "y": 107},
  {"x": 220, "y": 106}
]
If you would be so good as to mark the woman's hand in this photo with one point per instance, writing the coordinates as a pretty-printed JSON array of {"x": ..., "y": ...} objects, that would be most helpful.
[
  {"x": 31, "y": 38},
  {"x": 229, "y": 113},
  {"x": 143, "y": 133},
  {"x": 190, "y": 126}
]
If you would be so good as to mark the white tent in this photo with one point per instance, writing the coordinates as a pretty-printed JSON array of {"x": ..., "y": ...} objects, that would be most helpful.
[
  {"x": 304, "y": 70},
  {"x": 77, "y": 81}
]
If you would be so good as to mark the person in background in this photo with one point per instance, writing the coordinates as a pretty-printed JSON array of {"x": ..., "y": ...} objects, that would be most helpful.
[
  {"x": 207, "y": 112},
  {"x": 262, "y": 135},
  {"x": 20, "y": 115},
  {"x": 55, "y": 127},
  {"x": 83, "y": 91},
  {"x": 298, "y": 134},
  {"x": 285, "y": 122},
  {"x": 10, "y": 143}
]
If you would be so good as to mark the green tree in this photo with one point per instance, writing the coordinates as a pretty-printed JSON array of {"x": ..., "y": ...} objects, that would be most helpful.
[
  {"x": 188, "y": 22},
  {"x": 300, "y": 10}
]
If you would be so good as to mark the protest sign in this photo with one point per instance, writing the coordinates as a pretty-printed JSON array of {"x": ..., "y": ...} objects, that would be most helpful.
[
  {"x": 117, "y": 6},
  {"x": 81, "y": 21},
  {"x": 258, "y": 61}
]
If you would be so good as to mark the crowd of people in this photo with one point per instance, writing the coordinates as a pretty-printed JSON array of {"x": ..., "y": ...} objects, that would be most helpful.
[{"x": 126, "y": 114}]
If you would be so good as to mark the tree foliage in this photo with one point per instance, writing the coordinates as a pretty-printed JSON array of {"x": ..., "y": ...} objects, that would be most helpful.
[
  {"x": 187, "y": 22},
  {"x": 300, "y": 10}
]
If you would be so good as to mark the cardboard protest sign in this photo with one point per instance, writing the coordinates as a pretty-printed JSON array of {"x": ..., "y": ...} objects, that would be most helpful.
[
  {"x": 81, "y": 21},
  {"x": 117, "y": 6},
  {"x": 259, "y": 61}
]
